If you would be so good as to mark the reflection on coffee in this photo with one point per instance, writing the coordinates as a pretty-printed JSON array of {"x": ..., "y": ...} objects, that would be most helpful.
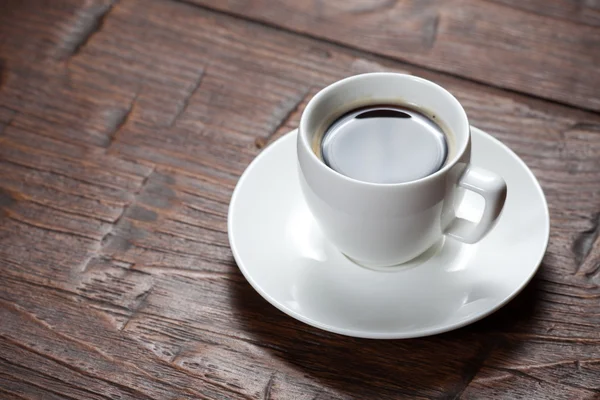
[{"x": 384, "y": 144}]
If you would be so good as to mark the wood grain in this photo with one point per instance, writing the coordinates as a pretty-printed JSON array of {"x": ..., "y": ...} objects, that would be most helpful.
[
  {"x": 124, "y": 127},
  {"x": 583, "y": 12},
  {"x": 496, "y": 44}
]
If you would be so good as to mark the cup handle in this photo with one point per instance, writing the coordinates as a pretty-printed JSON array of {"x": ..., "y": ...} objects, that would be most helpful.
[{"x": 493, "y": 190}]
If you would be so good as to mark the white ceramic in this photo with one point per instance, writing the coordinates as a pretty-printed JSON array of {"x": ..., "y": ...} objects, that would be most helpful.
[
  {"x": 386, "y": 224},
  {"x": 283, "y": 254}
]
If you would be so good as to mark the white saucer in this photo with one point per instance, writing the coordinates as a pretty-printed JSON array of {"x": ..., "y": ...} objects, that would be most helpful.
[{"x": 282, "y": 253}]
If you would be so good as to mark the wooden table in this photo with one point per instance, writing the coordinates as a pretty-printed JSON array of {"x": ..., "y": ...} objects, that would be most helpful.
[{"x": 125, "y": 125}]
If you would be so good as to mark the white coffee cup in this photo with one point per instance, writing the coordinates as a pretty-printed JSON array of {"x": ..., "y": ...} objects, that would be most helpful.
[{"x": 388, "y": 224}]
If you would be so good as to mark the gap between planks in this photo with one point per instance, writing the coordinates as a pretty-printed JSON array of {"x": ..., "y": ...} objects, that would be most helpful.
[{"x": 372, "y": 54}]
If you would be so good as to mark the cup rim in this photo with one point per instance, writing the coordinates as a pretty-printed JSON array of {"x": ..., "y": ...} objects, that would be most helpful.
[{"x": 334, "y": 86}]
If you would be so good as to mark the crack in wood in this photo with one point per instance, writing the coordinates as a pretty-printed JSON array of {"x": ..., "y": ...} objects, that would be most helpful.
[
  {"x": 127, "y": 321},
  {"x": 205, "y": 210},
  {"x": 90, "y": 27},
  {"x": 269, "y": 387},
  {"x": 140, "y": 298},
  {"x": 183, "y": 105},
  {"x": 191, "y": 224},
  {"x": 132, "y": 202},
  {"x": 430, "y": 30},
  {"x": 120, "y": 121},
  {"x": 13, "y": 216},
  {"x": 593, "y": 271},
  {"x": 103, "y": 242},
  {"x": 107, "y": 310},
  {"x": 584, "y": 243},
  {"x": 572, "y": 295}
]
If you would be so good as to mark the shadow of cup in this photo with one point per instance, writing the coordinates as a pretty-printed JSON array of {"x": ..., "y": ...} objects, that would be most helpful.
[{"x": 437, "y": 366}]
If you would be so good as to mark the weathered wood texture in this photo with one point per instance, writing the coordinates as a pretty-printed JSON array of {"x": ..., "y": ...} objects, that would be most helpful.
[
  {"x": 491, "y": 42},
  {"x": 584, "y": 12},
  {"x": 124, "y": 127}
]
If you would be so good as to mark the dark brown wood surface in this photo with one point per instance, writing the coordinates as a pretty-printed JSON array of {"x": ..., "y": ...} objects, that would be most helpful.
[
  {"x": 488, "y": 41},
  {"x": 124, "y": 126}
]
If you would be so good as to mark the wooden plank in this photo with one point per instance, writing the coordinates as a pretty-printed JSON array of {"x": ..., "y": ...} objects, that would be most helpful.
[
  {"x": 39, "y": 33},
  {"x": 541, "y": 369},
  {"x": 491, "y": 43},
  {"x": 117, "y": 162},
  {"x": 583, "y": 12},
  {"x": 77, "y": 349}
]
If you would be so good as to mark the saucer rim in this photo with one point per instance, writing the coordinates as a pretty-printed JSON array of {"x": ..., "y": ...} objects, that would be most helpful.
[{"x": 373, "y": 335}]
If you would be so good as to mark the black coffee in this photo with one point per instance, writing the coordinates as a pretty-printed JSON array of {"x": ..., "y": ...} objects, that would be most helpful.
[{"x": 384, "y": 144}]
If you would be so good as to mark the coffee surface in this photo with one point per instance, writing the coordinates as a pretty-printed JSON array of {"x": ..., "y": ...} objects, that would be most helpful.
[{"x": 384, "y": 144}]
